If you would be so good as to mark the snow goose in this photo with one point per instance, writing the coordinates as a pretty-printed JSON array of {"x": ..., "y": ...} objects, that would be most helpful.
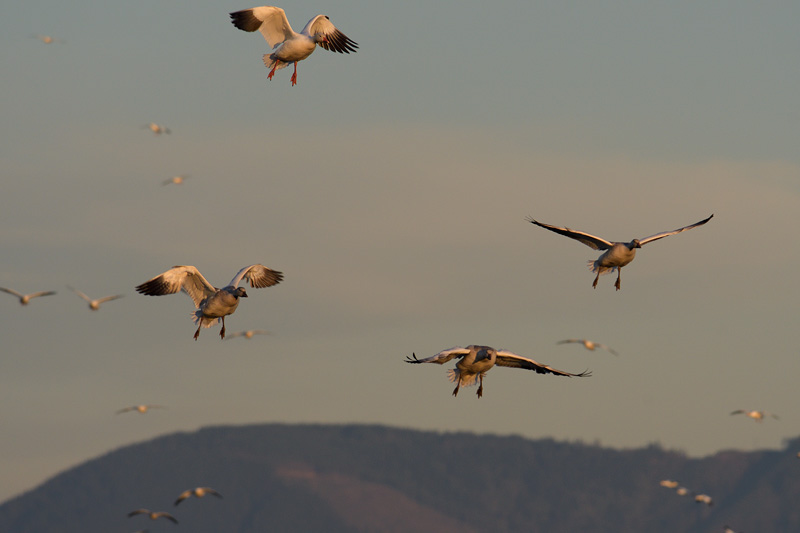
[
  {"x": 197, "y": 492},
  {"x": 247, "y": 334},
  {"x": 94, "y": 305},
  {"x": 589, "y": 345},
  {"x": 758, "y": 416},
  {"x": 213, "y": 304},
  {"x": 476, "y": 360},
  {"x": 669, "y": 483},
  {"x": 704, "y": 498},
  {"x": 176, "y": 180},
  {"x": 140, "y": 408},
  {"x": 158, "y": 130},
  {"x": 24, "y": 299},
  {"x": 153, "y": 515},
  {"x": 617, "y": 254},
  {"x": 287, "y": 45}
]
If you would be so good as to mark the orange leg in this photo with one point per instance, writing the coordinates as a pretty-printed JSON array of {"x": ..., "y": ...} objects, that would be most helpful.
[
  {"x": 272, "y": 72},
  {"x": 294, "y": 76}
]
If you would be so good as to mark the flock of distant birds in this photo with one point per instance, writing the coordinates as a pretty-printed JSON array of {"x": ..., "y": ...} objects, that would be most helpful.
[{"x": 214, "y": 304}]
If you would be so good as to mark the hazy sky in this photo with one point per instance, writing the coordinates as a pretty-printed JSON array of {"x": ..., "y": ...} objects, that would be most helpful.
[{"x": 391, "y": 187}]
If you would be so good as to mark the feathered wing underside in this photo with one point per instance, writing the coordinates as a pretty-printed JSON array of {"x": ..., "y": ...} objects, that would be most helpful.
[
  {"x": 181, "y": 277},
  {"x": 269, "y": 20},
  {"x": 441, "y": 357},
  {"x": 657, "y": 236},
  {"x": 258, "y": 276},
  {"x": 12, "y": 292},
  {"x": 593, "y": 242},
  {"x": 335, "y": 41},
  {"x": 509, "y": 359}
]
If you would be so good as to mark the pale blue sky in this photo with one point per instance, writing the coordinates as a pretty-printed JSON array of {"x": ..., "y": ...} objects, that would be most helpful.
[{"x": 391, "y": 187}]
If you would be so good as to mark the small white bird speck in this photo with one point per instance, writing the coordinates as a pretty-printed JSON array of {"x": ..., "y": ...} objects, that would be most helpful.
[
  {"x": 153, "y": 515},
  {"x": 158, "y": 130},
  {"x": 140, "y": 408},
  {"x": 758, "y": 416},
  {"x": 94, "y": 305},
  {"x": 197, "y": 492},
  {"x": 589, "y": 345},
  {"x": 24, "y": 299}
]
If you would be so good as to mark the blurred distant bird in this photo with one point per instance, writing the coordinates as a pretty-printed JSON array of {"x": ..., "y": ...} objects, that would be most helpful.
[
  {"x": 670, "y": 484},
  {"x": 476, "y": 360},
  {"x": 140, "y": 408},
  {"x": 248, "y": 334},
  {"x": 46, "y": 39},
  {"x": 212, "y": 304},
  {"x": 682, "y": 491},
  {"x": 197, "y": 492},
  {"x": 153, "y": 515},
  {"x": 177, "y": 180},
  {"x": 758, "y": 416},
  {"x": 158, "y": 130},
  {"x": 704, "y": 498},
  {"x": 617, "y": 254},
  {"x": 94, "y": 305},
  {"x": 589, "y": 345},
  {"x": 24, "y": 299},
  {"x": 287, "y": 45},
  {"x": 727, "y": 529}
]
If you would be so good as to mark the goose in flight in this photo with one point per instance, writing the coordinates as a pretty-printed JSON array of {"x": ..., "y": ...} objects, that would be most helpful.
[
  {"x": 287, "y": 45},
  {"x": 24, "y": 299},
  {"x": 213, "y": 304},
  {"x": 94, "y": 305},
  {"x": 177, "y": 180},
  {"x": 476, "y": 360},
  {"x": 669, "y": 483},
  {"x": 248, "y": 334},
  {"x": 704, "y": 498},
  {"x": 197, "y": 492},
  {"x": 589, "y": 345},
  {"x": 47, "y": 39},
  {"x": 158, "y": 130},
  {"x": 140, "y": 408},
  {"x": 758, "y": 416},
  {"x": 153, "y": 515},
  {"x": 617, "y": 254}
]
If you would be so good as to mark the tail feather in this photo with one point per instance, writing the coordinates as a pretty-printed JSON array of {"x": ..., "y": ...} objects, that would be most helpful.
[
  {"x": 270, "y": 62},
  {"x": 466, "y": 380},
  {"x": 595, "y": 267},
  {"x": 198, "y": 318}
]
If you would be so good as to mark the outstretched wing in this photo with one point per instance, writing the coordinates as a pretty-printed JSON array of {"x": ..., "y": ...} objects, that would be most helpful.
[
  {"x": 506, "y": 358},
  {"x": 41, "y": 293},
  {"x": 11, "y": 291},
  {"x": 657, "y": 236},
  {"x": 258, "y": 276},
  {"x": 441, "y": 357},
  {"x": 79, "y": 293},
  {"x": 105, "y": 299},
  {"x": 335, "y": 41},
  {"x": 567, "y": 341},
  {"x": 180, "y": 277},
  {"x": 269, "y": 20},
  {"x": 595, "y": 243},
  {"x": 185, "y": 494}
]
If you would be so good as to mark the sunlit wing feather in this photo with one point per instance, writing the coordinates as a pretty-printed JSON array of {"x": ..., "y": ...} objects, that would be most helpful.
[
  {"x": 509, "y": 359},
  {"x": 336, "y": 41},
  {"x": 657, "y": 236},
  {"x": 258, "y": 276},
  {"x": 180, "y": 277},
  {"x": 596, "y": 243},
  {"x": 269, "y": 20},
  {"x": 441, "y": 357}
]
